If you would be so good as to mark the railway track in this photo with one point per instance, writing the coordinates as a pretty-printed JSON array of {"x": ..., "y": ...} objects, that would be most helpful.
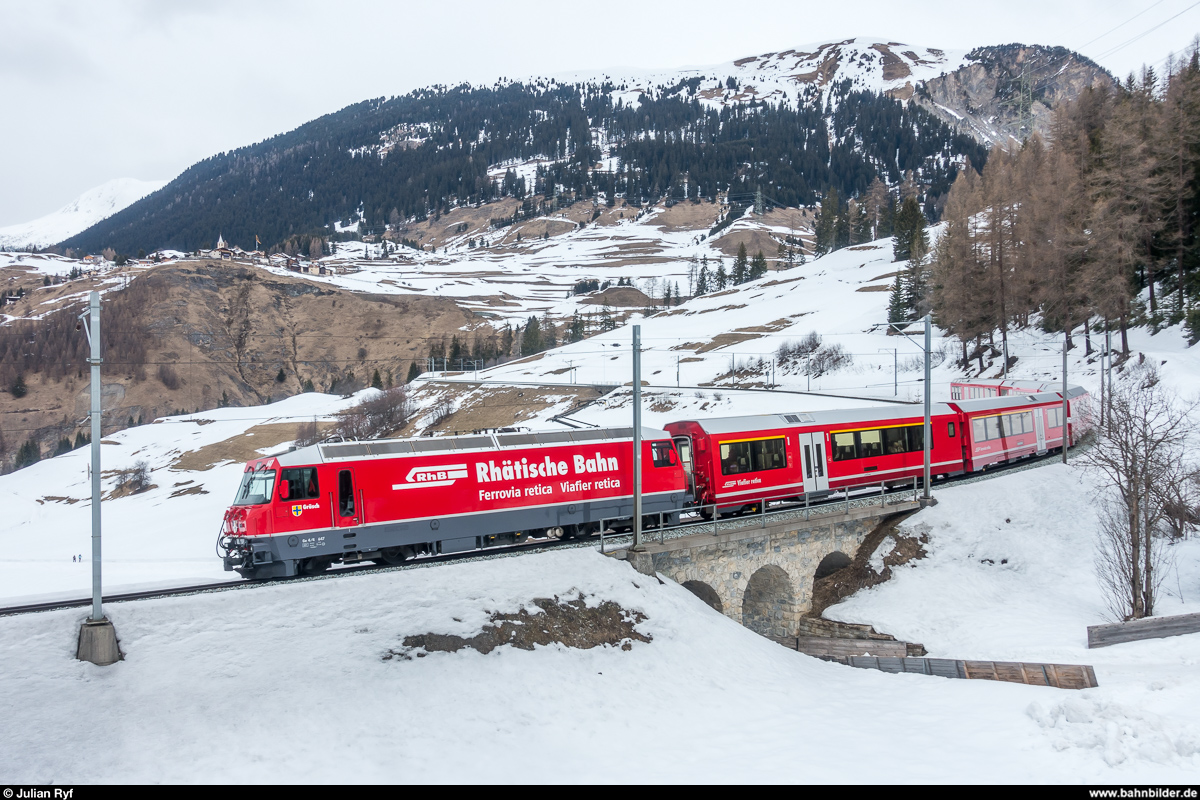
[{"x": 858, "y": 498}]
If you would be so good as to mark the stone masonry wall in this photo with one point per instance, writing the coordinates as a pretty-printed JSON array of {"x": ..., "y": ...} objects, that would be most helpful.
[{"x": 763, "y": 577}]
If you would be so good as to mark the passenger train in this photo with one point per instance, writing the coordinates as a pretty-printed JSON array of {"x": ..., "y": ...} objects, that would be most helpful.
[{"x": 391, "y": 500}]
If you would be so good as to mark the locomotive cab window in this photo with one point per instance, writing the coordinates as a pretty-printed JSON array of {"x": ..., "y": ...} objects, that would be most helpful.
[
  {"x": 256, "y": 488},
  {"x": 949, "y": 431},
  {"x": 753, "y": 456},
  {"x": 345, "y": 493},
  {"x": 301, "y": 483},
  {"x": 663, "y": 454}
]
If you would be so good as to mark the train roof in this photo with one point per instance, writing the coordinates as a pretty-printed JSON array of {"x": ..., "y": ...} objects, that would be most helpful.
[
  {"x": 758, "y": 422},
  {"x": 1017, "y": 400},
  {"x": 331, "y": 452},
  {"x": 1027, "y": 386}
]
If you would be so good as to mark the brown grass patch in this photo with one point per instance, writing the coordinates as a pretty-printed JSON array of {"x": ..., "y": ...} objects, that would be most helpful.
[
  {"x": 727, "y": 339},
  {"x": 687, "y": 216},
  {"x": 618, "y": 297},
  {"x": 873, "y": 289},
  {"x": 240, "y": 448},
  {"x": 722, "y": 308}
]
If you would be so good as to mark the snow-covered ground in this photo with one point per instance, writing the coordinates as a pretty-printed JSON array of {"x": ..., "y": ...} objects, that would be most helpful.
[
  {"x": 151, "y": 538},
  {"x": 80, "y": 214},
  {"x": 290, "y": 682}
]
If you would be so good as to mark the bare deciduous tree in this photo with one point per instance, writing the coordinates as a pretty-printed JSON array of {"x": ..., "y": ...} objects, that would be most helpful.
[
  {"x": 375, "y": 417},
  {"x": 307, "y": 433},
  {"x": 1146, "y": 492}
]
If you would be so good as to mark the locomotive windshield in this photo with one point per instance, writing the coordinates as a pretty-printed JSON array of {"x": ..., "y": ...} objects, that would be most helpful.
[{"x": 256, "y": 488}]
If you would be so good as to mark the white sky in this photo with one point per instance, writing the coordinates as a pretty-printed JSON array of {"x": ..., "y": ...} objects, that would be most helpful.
[{"x": 104, "y": 89}]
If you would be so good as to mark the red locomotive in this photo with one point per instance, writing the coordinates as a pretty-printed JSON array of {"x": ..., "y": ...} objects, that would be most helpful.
[{"x": 390, "y": 500}]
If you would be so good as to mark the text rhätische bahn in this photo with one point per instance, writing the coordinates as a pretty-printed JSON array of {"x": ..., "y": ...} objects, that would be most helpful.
[{"x": 391, "y": 500}]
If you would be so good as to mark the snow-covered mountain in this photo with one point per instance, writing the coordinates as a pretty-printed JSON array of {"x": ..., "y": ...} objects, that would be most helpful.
[
  {"x": 869, "y": 63},
  {"x": 80, "y": 214}
]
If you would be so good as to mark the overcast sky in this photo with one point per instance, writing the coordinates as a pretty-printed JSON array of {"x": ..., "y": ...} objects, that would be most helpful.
[{"x": 94, "y": 90}]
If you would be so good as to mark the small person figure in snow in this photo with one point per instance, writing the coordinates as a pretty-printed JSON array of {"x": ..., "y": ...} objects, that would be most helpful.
[{"x": 72, "y": 559}]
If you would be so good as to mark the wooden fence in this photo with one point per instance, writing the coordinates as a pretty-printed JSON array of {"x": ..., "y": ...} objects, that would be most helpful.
[
  {"x": 1060, "y": 676},
  {"x": 1149, "y": 628}
]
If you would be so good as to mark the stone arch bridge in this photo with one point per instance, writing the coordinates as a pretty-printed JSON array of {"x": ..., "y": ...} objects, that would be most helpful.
[{"x": 759, "y": 570}]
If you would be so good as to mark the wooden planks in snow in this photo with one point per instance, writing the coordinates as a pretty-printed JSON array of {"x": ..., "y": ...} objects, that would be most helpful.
[
  {"x": 1149, "y": 628},
  {"x": 1061, "y": 676},
  {"x": 842, "y": 648}
]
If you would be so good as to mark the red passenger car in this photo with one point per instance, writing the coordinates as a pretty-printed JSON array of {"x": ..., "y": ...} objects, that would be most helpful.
[
  {"x": 388, "y": 500},
  {"x": 1007, "y": 428},
  {"x": 738, "y": 461}
]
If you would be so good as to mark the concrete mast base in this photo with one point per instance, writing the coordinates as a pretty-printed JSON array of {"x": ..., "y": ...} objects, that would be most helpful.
[{"x": 98, "y": 643}]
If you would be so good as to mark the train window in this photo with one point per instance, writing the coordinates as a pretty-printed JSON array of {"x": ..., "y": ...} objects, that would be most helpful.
[
  {"x": 895, "y": 440},
  {"x": 916, "y": 438},
  {"x": 991, "y": 426},
  {"x": 301, "y": 483},
  {"x": 807, "y": 461},
  {"x": 753, "y": 456},
  {"x": 663, "y": 454},
  {"x": 978, "y": 433},
  {"x": 844, "y": 448},
  {"x": 1054, "y": 417},
  {"x": 345, "y": 493},
  {"x": 870, "y": 444},
  {"x": 949, "y": 430},
  {"x": 256, "y": 488}
]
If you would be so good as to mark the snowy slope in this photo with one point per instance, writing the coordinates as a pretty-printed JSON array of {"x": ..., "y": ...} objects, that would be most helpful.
[
  {"x": 80, "y": 214},
  {"x": 869, "y": 63},
  {"x": 290, "y": 683}
]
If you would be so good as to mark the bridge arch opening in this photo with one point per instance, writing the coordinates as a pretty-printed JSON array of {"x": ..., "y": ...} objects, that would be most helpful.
[
  {"x": 769, "y": 604},
  {"x": 706, "y": 593},
  {"x": 831, "y": 564}
]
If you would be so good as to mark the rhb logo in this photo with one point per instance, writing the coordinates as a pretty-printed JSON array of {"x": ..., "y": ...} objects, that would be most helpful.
[{"x": 441, "y": 475}]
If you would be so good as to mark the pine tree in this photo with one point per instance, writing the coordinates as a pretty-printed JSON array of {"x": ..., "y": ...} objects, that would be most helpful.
[
  {"x": 826, "y": 227},
  {"x": 28, "y": 453},
  {"x": 740, "y": 265},
  {"x": 758, "y": 266},
  {"x": 576, "y": 331},
  {"x": 377, "y": 380},
  {"x": 721, "y": 279},
  {"x": 702, "y": 281},
  {"x": 910, "y": 233},
  {"x": 80, "y": 440},
  {"x": 897, "y": 303},
  {"x": 414, "y": 372},
  {"x": 280, "y": 376},
  {"x": 531, "y": 339},
  {"x": 549, "y": 333}
]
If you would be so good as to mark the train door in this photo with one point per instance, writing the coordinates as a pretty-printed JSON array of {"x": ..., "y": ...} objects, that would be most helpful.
[
  {"x": 348, "y": 513},
  {"x": 683, "y": 444},
  {"x": 812, "y": 453},
  {"x": 1039, "y": 427}
]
